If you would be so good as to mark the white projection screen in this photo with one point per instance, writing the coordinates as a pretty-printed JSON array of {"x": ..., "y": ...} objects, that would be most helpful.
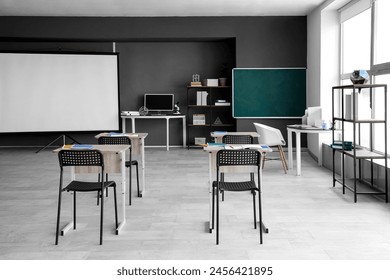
[{"x": 53, "y": 92}]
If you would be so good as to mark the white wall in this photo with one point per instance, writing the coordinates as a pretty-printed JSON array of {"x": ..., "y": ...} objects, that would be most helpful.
[{"x": 323, "y": 60}]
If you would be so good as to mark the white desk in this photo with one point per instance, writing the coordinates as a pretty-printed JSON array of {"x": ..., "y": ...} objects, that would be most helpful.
[
  {"x": 298, "y": 130},
  {"x": 212, "y": 151},
  {"x": 114, "y": 157},
  {"x": 137, "y": 149},
  {"x": 167, "y": 119},
  {"x": 219, "y": 135}
]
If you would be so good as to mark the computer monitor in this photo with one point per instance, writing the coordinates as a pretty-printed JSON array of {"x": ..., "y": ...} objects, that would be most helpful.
[{"x": 159, "y": 102}]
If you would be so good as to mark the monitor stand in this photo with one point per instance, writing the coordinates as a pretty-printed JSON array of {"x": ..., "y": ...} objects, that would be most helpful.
[{"x": 158, "y": 114}]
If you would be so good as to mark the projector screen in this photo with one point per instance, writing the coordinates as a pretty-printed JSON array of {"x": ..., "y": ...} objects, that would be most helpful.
[{"x": 48, "y": 92}]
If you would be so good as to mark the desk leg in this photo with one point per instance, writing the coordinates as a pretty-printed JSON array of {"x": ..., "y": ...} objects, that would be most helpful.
[
  {"x": 123, "y": 125},
  {"x": 184, "y": 133},
  {"x": 70, "y": 225},
  {"x": 319, "y": 149},
  {"x": 167, "y": 130},
  {"x": 210, "y": 194},
  {"x": 123, "y": 188},
  {"x": 133, "y": 125},
  {"x": 290, "y": 152},
  {"x": 298, "y": 151},
  {"x": 142, "y": 151}
]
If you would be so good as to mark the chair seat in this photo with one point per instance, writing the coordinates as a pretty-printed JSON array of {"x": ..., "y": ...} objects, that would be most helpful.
[
  {"x": 236, "y": 186},
  {"x": 133, "y": 162},
  {"x": 79, "y": 186}
]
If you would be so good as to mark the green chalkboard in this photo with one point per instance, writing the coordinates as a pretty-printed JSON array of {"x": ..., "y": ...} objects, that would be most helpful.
[{"x": 269, "y": 92}]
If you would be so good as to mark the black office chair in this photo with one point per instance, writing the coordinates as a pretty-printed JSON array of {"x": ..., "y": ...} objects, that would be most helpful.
[
  {"x": 122, "y": 140},
  {"x": 83, "y": 158},
  {"x": 237, "y": 158}
]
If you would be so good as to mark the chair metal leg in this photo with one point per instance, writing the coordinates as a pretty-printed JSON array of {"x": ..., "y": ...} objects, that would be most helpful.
[
  {"x": 106, "y": 181},
  {"x": 116, "y": 209},
  {"x": 130, "y": 177},
  {"x": 260, "y": 219},
  {"x": 101, "y": 220},
  {"x": 74, "y": 210},
  {"x": 217, "y": 217},
  {"x": 58, "y": 215},
  {"x": 213, "y": 209},
  {"x": 254, "y": 207},
  {"x": 136, "y": 169}
]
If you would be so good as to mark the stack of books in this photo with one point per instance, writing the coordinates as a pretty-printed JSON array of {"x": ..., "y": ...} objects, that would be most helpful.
[
  {"x": 339, "y": 145},
  {"x": 196, "y": 84},
  {"x": 222, "y": 102},
  {"x": 130, "y": 113}
]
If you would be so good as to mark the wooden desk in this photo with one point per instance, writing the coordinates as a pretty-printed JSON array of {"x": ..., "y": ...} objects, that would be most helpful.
[
  {"x": 167, "y": 119},
  {"x": 219, "y": 135},
  {"x": 212, "y": 151},
  {"x": 114, "y": 162},
  {"x": 298, "y": 130},
  {"x": 137, "y": 149}
]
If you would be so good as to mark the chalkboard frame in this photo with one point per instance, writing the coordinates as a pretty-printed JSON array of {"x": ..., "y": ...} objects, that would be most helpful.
[{"x": 282, "y": 101}]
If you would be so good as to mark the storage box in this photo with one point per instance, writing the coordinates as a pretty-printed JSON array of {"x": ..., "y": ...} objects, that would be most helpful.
[
  {"x": 199, "y": 119},
  {"x": 210, "y": 82},
  {"x": 200, "y": 140}
]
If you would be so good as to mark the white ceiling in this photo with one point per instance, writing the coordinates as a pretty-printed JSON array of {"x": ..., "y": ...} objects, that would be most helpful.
[{"x": 154, "y": 8}]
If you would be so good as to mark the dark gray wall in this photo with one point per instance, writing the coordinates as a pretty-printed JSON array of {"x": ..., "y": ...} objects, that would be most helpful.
[{"x": 161, "y": 46}]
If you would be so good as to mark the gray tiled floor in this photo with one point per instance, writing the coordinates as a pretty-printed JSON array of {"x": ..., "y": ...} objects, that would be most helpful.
[{"x": 307, "y": 217}]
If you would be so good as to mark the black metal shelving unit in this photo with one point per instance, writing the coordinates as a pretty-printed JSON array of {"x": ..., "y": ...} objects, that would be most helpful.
[
  {"x": 211, "y": 112},
  {"x": 359, "y": 154}
]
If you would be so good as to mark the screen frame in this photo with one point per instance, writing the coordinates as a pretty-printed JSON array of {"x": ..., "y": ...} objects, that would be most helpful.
[
  {"x": 146, "y": 95},
  {"x": 118, "y": 125}
]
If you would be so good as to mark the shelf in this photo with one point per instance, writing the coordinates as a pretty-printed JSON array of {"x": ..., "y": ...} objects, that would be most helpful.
[
  {"x": 362, "y": 154},
  {"x": 212, "y": 125},
  {"x": 212, "y": 112},
  {"x": 194, "y": 87},
  {"x": 362, "y": 187},
  {"x": 361, "y": 121},
  {"x": 359, "y": 86},
  {"x": 357, "y": 185}
]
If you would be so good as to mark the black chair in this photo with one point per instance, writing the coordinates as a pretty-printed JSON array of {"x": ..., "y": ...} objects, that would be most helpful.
[
  {"x": 239, "y": 159},
  {"x": 235, "y": 139},
  {"x": 83, "y": 158},
  {"x": 122, "y": 140}
]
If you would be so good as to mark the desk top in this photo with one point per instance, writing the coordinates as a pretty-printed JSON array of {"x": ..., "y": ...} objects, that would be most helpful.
[
  {"x": 129, "y": 135},
  {"x": 167, "y": 116},
  {"x": 215, "y": 148},
  {"x": 307, "y": 128},
  {"x": 217, "y": 134},
  {"x": 102, "y": 148}
]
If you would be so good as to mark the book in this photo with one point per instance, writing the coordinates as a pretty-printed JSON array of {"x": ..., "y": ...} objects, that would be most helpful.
[
  {"x": 81, "y": 146},
  {"x": 196, "y": 84},
  {"x": 212, "y": 144}
]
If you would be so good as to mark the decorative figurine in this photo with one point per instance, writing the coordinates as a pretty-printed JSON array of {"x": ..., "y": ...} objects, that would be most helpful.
[{"x": 176, "y": 109}]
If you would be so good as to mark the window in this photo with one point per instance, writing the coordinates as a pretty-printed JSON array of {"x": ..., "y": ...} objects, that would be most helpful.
[
  {"x": 360, "y": 50},
  {"x": 382, "y": 23},
  {"x": 356, "y": 33}
]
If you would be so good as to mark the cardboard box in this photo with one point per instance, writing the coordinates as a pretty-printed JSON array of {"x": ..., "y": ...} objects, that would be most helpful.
[
  {"x": 198, "y": 119},
  {"x": 210, "y": 82},
  {"x": 200, "y": 140}
]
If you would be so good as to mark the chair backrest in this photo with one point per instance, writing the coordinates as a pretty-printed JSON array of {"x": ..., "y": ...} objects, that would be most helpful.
[
  {"x": 237, "y": 139},
  {"x": 114, "y": 140},
  {"x": 80, "y": 158},
  {"x": 242, "y": 157},
  {"x": 269, "y": 135}
]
